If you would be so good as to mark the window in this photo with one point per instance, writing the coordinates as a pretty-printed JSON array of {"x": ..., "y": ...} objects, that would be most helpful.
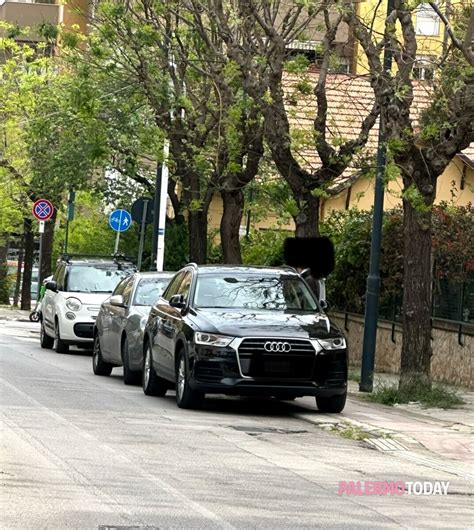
[
  {"x": 120, "y": 287},
  {"x": 185, "y": 285},
  {"x": 427, "y": 21},
  {"x": 93, "y": 278},
  {"x": 172, "y": 288},
  {"x": 127, "y": 290},
  {"x": 149, "y": 290},
  {"x": 423, "y": 69},
  {"x": 254, "y": 292}
]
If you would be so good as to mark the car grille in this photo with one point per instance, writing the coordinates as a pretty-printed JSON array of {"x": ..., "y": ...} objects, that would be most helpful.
[
  {"x": 84, "y": 330},
  {"x": 256, "y": 361}
]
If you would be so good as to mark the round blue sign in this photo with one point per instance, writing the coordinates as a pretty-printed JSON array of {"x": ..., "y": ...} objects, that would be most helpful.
[{"x": 120, "y": 220}]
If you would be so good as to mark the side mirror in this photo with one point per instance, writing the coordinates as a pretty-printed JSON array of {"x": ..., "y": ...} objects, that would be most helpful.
[
  {"x": 52, "y": 286},
  {"x": 177, "y": 300},
  {"x": 325, "y": 305},
  {"x": 117, "y": 300}
]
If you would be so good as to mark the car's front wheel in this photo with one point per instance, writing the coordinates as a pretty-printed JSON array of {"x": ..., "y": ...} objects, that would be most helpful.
[
  {"x": 153, "y": 385},
  {"x": 99, "y": 366},
  {"x": 186, "y": 397},
  {"x": 59, "y": 345},
  {"x": 130, "y": 377},
  {"x": 46, "y": 341},
  {"x": 332, "y": 404}
]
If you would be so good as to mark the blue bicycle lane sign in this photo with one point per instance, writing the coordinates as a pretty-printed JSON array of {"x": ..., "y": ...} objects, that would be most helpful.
[{"x": 120, "y": 220}]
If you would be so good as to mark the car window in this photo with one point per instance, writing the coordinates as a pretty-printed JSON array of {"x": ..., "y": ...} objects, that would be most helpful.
[
  {"x": 59, "y": 277},
  {"x": 185, "y": 285},
  {"x": 120, "y": 287},
  {"x": 93, "y": 278},
  {"x": 254, "y": 292},
  {"x": 173, "y": 287},
  {"x": 127, "y": 290},
  {"x": 149, "y": 290}
]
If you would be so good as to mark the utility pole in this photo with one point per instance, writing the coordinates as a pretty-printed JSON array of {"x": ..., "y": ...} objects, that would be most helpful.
[{"x": 373, "y": 279}]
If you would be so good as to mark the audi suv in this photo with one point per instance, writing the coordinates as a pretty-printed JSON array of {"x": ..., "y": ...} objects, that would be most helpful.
[{"x": 244, "y": 331}]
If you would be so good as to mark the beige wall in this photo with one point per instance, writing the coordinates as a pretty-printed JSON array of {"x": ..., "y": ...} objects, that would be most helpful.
[
  {"x": 451, "y": 363},
  {"x": 26, "y": 14},
  {"x": 361, "y": 195}
]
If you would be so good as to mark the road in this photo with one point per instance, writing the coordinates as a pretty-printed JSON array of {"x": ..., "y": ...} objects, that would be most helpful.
[{"x": 81, "y": 451}]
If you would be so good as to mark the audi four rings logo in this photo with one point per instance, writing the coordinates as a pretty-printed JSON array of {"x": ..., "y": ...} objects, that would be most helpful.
[{"x": 282, "y": 347}]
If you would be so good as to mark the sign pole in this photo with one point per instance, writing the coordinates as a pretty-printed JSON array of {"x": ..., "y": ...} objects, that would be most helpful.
[
  {"x": 117, "y": 240},
  {"x": 40, "y": 257},
  {"x": 142, "y": 234},
  {"x": 161, "y": 214}
]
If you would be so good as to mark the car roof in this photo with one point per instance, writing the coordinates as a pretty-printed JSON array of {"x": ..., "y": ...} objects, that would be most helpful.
[{"x": 245, "y": 269}]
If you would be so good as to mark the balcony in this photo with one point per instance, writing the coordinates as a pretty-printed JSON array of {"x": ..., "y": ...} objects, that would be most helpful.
[{"x": 30, "y": 13}]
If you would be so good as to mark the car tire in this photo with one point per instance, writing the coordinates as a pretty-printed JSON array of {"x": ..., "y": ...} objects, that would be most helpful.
[
  {"x": 332, "y": 404},
  {"x": 46, "y": 341},
  {"x": 152, "y": 384},
  {"x": 130, "y": 377},
  {"x": 59, "y": 345},
  {"x": 99, "y": 366},
  {"x": 186, "y": 397}
]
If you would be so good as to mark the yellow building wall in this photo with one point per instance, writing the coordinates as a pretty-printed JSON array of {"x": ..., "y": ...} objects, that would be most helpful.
[
  {"x": 374, "y": 13},
  {"x": 75, "y": 14},
  {"x": 455, "y": 185}
]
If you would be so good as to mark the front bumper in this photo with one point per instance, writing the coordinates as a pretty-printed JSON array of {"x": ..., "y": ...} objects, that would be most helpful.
[
  {"x": 80, "y": 330},
  {"x": 223, "y": 371}
]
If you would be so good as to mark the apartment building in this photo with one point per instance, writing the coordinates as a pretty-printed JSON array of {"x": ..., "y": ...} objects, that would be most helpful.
[{"x": 35, "y": 13}]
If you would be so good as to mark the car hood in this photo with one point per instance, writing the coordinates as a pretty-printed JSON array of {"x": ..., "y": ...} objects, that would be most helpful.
[{"x": 264, "y": 323}]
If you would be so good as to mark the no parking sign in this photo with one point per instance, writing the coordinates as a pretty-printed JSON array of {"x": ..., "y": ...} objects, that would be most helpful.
[{"x": 43, "y": 210}]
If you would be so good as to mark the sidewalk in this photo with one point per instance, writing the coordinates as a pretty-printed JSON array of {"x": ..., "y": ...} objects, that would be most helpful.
[
  {"x": 9, "y": 313},
  {"x": 440, "y": 438}
]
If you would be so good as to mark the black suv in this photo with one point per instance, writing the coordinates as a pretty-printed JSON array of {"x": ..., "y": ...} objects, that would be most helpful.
[{"x": 245, "y": 331}]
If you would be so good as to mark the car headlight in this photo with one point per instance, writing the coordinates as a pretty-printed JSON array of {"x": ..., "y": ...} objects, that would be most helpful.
[
  {"x": 210, "y": 339},
  {"x": 338, "y": 343},
  {"x": 73, "y": 304}
]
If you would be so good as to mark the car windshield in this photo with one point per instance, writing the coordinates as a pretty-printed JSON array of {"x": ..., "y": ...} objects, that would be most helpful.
[
  {"x": 285, "y": 293},
  {"x": 149, "y": 290},
  {"x": 94, "y": 278}
]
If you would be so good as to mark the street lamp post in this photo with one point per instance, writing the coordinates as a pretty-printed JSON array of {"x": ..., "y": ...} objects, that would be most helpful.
[{"x": 373, "y": 279}]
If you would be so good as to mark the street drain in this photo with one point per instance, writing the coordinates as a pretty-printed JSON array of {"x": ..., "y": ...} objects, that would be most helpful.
[{"x": 253, "y": 431}]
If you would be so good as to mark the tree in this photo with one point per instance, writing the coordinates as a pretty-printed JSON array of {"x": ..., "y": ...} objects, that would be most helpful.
[
  {"x": 420, "y": 152},
  {"x": 257, "y": 36}
]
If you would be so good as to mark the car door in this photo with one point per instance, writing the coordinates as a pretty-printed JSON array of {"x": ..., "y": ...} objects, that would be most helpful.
[
  {"x": 160, "y": 330},
  {"x": 118, "y": 319},
  {"x": 105, "y": 324},
  {"x": 172, "y": 322},
  {"x": 49, "y": 301}
]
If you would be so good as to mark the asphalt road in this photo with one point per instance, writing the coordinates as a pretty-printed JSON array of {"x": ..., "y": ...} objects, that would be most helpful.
[{"x": 81, "y": 451}]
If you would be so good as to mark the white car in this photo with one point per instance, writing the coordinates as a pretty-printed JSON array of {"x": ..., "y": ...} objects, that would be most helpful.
[{"x": 73, "y": 297}]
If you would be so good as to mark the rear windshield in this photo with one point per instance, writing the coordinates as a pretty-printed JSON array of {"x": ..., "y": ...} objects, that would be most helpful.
[
  {"x": 284, "y": 293},
  {"x": 94, "y": 278},
  {"x": 149, "y": 290}
]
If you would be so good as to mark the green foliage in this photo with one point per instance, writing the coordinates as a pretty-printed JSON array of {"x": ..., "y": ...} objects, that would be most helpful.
[
  {"x": 176, "y": 246},
  {"x": 297, "y": 65},
  {"x": 453, "y": 241},
  {"x": 264, "y": 247},
  {"x": 437, "y": 396}
]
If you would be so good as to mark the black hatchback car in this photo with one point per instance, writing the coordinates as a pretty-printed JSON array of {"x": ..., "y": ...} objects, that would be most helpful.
[{"x": 245, "y": 331}]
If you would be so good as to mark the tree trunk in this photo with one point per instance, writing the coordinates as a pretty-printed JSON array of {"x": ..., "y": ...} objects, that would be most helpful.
[
  {"x": 230, "y": 225},
  {"x": 28, "y": 266},
  {"x": 307, "y": 220},
  {"x": 4, "y": 284},
  {"x": 19, "y": 268},
  {"x": 48, "y": 239},
  {"x": 197, "y": 223},
  {"x": 415, "y": 369}
]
